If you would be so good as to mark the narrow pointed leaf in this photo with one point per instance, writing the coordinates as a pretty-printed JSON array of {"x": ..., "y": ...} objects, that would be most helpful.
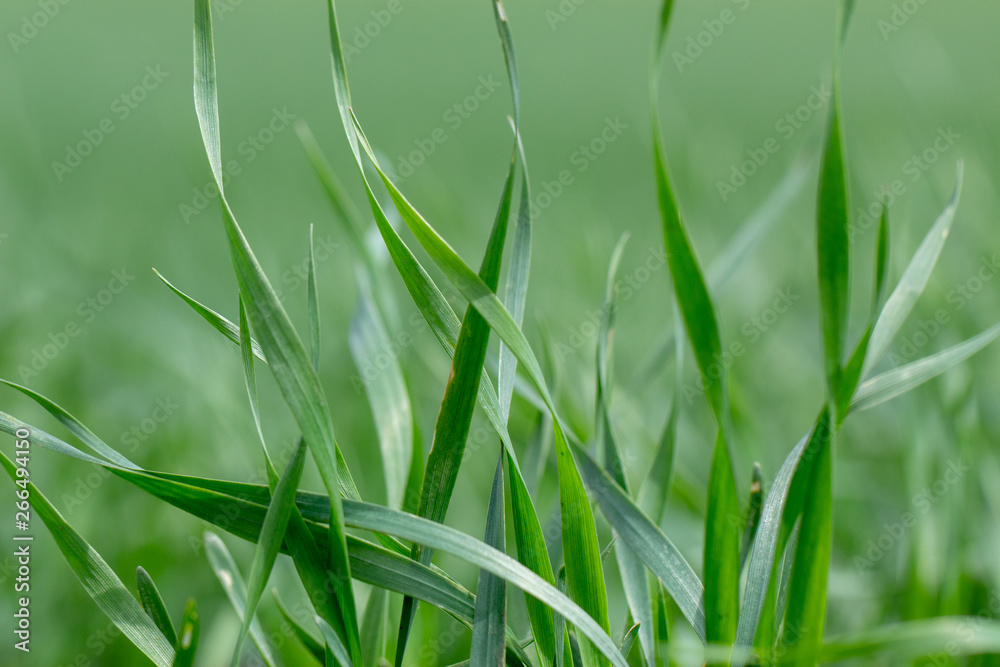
[
  {"x": 187, "y": 641},
  {"x": 152, "y": 604},
  {"x": 722, "y": 550},
  {"x": 490, "y": 618}
]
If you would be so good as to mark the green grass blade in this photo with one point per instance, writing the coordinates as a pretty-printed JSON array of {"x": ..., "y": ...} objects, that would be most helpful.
[
  {"x": 882, "y": 258},
  {"x": 722, "y": 550},
  {"x": 287, "y": 358},
  {"x": 334, "y": 644},
  {"x": 152, "y": 604},
  {"x": 386, "y": 391},
  {"x": 236, "y": 590},
  {"x": 74, "y": 426},
  {"x": 374, "y": 627},
  {"x": 218, "y": 322},
  {"x": 187, "y": 642},
  {"x": 900, "y": 380},
  {"x": 913, "y": 281},
  {"x": 833, "y": 250},
  {"x": 648, "y": 542},
  {"x": 490, "y": 619},
  {"x": 250, "y": 379},
  {"x": 754, "y": 508},
  {"x": 805, "y": 612},
  {"x": 306, "y": 638},
  {"x": 101, "y": 583},
  {"x": 772, "y": 533},
  {"x": 655, "y": 490},
  {"x": 312, "y": 302},
  {"x": 629, "y": 640},
  {"x": 272, "y": 534}
]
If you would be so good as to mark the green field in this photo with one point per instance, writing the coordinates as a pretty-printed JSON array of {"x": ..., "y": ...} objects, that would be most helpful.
[{"x": 104, "y": 177}]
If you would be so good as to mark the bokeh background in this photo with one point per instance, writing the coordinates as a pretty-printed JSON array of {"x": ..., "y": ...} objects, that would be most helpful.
[{"x": 133, "y": 204}]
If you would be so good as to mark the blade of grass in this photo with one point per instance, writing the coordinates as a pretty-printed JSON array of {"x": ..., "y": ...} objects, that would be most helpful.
[
  {"x": 187, "y": 642},
  {"x": 386, "y": 392},
  {"x": 101, "y": 583},
  {"x": 152, "y": 604},
  {"x": 900, "y": 380},
  {"x": 272, "y": 535},
  {"x": 287, "y": 358},
  {"x": 236, "y": 590},
  {"x": 312, "y": 302},
  {"x": 914, "y": 280},
  {"x": 334, "y": 644},
  {"x": 722, "y": 550},
  {"x": 374, "y": 628},
  {"x": 648, "y": 542},
  {"x": 490, "y": 618},
  {"x": 306, "y": 638}
]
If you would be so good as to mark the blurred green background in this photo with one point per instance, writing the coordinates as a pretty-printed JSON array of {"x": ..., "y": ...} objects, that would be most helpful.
[{"x": 118, "y": 77}]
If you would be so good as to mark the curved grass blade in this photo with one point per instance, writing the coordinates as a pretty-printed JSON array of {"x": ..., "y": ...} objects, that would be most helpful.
[
  {"x": 306, "y": 638},
  {"x": 648, "y": 542},
  {"x": 240, "y": 509},
  {"x": 881, "y": 262},
  {"x": 218, "y": 322},
  {"x": 75, "y": 426},
  {"x": 236, "y": 590},
  {"x": 287, "y": 358},
  {"x": 913, "y": 281},
  {"x": 334, "y": 645},
  {"x": 272, "y": 534},
  {"x": 386, "y": 391},
  {"x": 152, "y": 604},
  {"x": 900, "y": 380},
  {"x": 187, "y": 642},
  {"x": 490, "y": 619},
  {"x": 101, "y": 583}
]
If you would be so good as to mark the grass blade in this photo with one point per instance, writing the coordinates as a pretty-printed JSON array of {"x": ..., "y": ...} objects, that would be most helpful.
[
  {"x": 833, "y": 250},
  {"x": 101, "y": 583},
  {"x": 386, "y": 391},
  {"x": 152, "y": 604},
  {"x": 490, "y": 619},
  {"x": 287, "y": 358},
  {"x": 312, "y": 302},
  {"x": 722, "y": 550},
  {"x": 187, "y": 642},
  {"x": 374, "y": 628},
  {"x": 900, "y": 380},
  {"x": 913, "y": 281},
  {"x": 805, "y": 612},
  {"x": 272, "y": 534},
  {"x": 648, "y": 542},
  {"x": 334, "y": 644},
  {"x": 236, "y": 590}
]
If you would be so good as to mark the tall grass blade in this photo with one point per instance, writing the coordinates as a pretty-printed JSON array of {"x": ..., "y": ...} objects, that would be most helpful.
[
  {"x": 374, "y": 628},
  {"x": 334, "y": 644},
  {"x": 722, "y": 550},
  {"x": 287, "y": 357}
]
